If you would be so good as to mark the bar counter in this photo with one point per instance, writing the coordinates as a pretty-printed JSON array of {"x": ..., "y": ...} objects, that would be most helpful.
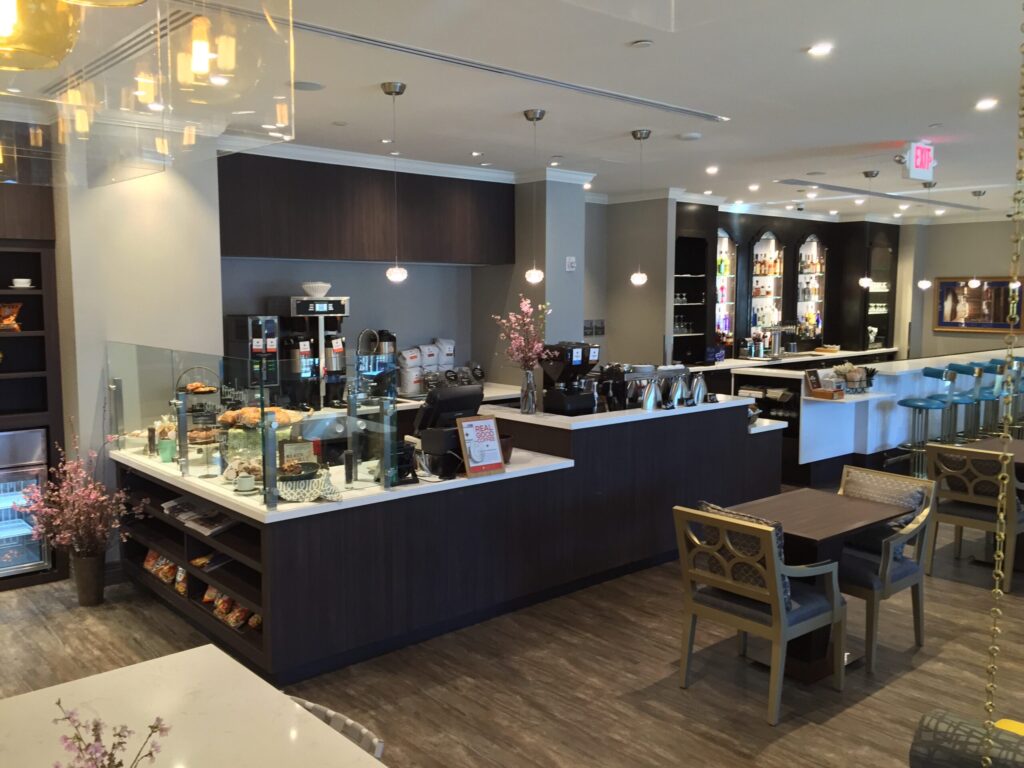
[{"x": 342, "y": 581}]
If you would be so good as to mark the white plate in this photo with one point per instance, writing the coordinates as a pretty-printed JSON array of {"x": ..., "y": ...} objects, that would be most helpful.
[{"x": 21, "y": 287}]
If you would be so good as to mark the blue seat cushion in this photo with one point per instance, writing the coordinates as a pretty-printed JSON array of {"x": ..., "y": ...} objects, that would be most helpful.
[
  {"x": 921, "y": 402},
  {"x": 988, "y": 394},
  {"x": 807, "y": 601},
  {"x": 861, "y": 569},
  {"x": 957, "y": 398}
]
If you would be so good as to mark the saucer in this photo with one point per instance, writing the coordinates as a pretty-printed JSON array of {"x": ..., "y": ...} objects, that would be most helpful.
[
  {"x": 22, "y": 287},
  {"x": 253, "y": 492}
]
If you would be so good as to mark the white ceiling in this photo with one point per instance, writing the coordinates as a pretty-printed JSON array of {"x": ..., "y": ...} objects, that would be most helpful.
[{"x": 897, "y": 68}]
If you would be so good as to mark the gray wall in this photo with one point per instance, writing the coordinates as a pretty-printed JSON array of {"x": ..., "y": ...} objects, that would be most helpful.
[
  {"x": 595, "y": 289},
  {"x": 565, "y": 223},
  {"x": 432, "y": 302},
  {"x": 641, "y": 234},
  {"x": 954, "y": 250}
]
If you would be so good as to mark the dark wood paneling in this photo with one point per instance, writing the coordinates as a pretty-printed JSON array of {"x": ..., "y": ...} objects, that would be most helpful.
[
  {"x": 276, "y": 208},
  {"x": 26, "y": 212},
  {"x": 846, "y": 301}
]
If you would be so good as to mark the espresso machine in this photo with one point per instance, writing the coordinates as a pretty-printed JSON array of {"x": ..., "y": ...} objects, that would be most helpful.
[
  {"x": 308, "y": 325},
  {"x": 567, "y": 390},
  {"x": 251, "y": 351}
]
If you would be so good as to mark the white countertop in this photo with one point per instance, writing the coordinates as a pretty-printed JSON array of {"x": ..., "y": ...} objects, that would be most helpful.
[
  {"x": 742, "y": 362},
  {"x": 849, "y": 399},
  {"x": 766, "y": 425},
  {"x": 591, "y": 420},
  {"x": 220, "y": 714},
  {"x": 774, "y": 373},
  {"x": 903, "y": 367},
  {"x": 221, "y": 492}
]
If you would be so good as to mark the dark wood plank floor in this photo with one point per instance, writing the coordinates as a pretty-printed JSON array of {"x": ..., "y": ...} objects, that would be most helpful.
[{"x": 585, "y": 680}]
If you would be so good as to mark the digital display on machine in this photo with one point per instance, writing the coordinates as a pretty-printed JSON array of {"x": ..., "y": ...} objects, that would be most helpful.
[{"x": 314, "y": 307}]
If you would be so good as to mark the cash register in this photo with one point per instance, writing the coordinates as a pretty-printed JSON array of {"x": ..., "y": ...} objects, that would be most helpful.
[
  {"x": 566, "y": 365},
  {"x": 436, "y": 426}
]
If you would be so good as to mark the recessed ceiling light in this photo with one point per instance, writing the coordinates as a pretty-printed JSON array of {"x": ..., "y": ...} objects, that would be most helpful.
[
  {"x": 823, "y": 48},
  {"x": 939, "y": 211},
  {"x": 307, "y": 85},
  {"x": 486, "y": 165},
  {"x": 897, "y": 215},
  {"x": 14, "y": 90},
  {"x": 268, "y": 126},
  {"x": 642, "y": 43},
  {"x": 708, "y": 192},
  {"x": 587, "y": 186},
  {"x": 814, "y": 186},
  {"x": 833, "y": 213},
  {"x": 754, "y": 187},
  {"x": 396, "y": 153},
  {"x": 244, "y": 112},
  {"x": 554, "y": 163},
  {"x": 280, "y": 98},
  {"x": 984, "y": 105},
  {"x": 711, "y": 170},
  {"x": 859, "y": 201},
  {"x": 156, "y": 106},
  {"x": 904, "y": 206},
  {"x": 790, "y": 207},
  {"x": 691, "y": 136},
  {"x": 276, "y": 134},
  {"x": 474, "y": 153},
  {"x": 385, "y": 141},
  {"x": 739, "y": 202},
  {"x": 811, "y": 195},
  {"x": 219, "y": 80}
]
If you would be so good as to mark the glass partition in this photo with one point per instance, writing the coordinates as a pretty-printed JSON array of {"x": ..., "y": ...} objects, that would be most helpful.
[{"x": 173, "y": 411}]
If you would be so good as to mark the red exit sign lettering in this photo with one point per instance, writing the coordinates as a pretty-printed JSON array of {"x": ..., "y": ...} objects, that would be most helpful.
[{"x": 920, "y": 161}]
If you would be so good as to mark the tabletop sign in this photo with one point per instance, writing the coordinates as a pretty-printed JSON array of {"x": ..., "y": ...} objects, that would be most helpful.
[
  {"x": 920, "y": 162},
  {"x": 481, "y": 447}
]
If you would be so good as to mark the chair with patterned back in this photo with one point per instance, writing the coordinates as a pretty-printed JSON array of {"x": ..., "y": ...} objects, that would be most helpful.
[
  {"x": 874, "y": 565},
  {"x": 734, "y": 574},
  {"x": 967, "y": 489},
  {"x": 359, "y": 735}
]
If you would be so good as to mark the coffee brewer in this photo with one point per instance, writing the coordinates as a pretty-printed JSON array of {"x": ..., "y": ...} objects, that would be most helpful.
[{"x": 566, "y": 366}]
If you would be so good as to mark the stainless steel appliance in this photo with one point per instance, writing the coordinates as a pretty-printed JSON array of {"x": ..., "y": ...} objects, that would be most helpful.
[
  {"x": 621, "y": 385},
  {"x": 251, "y": 351},
  {"x": 22, "y": 464},
  {"x": 308, "y": 324},
  {"x": 565, "y": 368}
]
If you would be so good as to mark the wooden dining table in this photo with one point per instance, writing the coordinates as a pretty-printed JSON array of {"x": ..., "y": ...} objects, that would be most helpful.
[
  {"x": 219, "y": 713},
  {"x": 816, "y": 525}
]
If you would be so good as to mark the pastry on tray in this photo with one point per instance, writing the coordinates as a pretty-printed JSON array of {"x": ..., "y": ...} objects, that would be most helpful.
[
  {"x": 250, "y": 416},
  {"x": 202, "y": 435},
  {"x": 198, "y": 388}
]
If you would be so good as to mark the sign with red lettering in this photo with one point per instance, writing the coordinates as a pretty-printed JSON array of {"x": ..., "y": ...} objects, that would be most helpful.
[
  {"x": 481, "y": 446},
  {"x": 920, "y": 163}
]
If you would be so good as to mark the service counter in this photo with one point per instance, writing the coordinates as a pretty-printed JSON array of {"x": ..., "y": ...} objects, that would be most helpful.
[{"x": 583, "y": 500}]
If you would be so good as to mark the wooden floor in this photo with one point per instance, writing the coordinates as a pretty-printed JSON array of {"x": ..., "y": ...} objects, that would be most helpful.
[{"x": 585, "y": 680}]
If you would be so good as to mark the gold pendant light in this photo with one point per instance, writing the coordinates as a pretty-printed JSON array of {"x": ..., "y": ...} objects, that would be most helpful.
[
  {"x": 36, "y": 34},
  {"x": 106, "y": 3}
]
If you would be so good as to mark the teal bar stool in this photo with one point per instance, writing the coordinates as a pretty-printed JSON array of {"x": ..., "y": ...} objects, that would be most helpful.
[
  {"x": 990, "y": 398},
  {"x": 969, "y": 400},
  {"x": 920, "y": 408},
  {"x": 1015, "y": 373}
]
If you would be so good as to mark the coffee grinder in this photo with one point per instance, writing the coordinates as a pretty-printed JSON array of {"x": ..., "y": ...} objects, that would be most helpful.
[
  {"x": 308, "y": 325},
  {"x": 565, "y": 366}
]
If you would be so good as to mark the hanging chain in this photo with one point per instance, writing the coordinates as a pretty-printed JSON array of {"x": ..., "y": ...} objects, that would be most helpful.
[
  {"x": 394, "y": 149},
  {"x": 1011, "y": 385}
]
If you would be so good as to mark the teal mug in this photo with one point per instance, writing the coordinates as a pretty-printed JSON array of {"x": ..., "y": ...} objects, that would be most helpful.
[{"x": 167, "y": 449}]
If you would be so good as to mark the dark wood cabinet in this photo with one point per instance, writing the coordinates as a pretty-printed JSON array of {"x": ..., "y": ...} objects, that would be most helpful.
[{"x": 277, "y": 208}]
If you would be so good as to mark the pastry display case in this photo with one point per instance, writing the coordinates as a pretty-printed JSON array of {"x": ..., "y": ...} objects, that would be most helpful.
[{"x": 174, "y": 410}]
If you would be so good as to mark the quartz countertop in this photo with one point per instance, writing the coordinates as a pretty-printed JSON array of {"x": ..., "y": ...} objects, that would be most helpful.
[
  {"x": 808, "y": 357},
  {"x": 592, "y": 420},
  {"x": 523, "y": 464},
  {"x": 766, "y": 425},
  {"x": 220, "y": 714}
]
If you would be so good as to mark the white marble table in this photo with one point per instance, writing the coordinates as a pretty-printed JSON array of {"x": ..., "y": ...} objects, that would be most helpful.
[{"x": 220, "y": 713}]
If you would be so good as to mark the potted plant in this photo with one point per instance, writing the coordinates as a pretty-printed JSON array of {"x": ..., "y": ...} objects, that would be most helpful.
[
  {"x": 88, "y": 747},
  {"x": 75, "y": 512},
  {"x": 524, "y": 332}
]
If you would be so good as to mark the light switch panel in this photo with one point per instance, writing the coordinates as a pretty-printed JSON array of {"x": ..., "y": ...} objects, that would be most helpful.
[{"x": 570, "y": 263}]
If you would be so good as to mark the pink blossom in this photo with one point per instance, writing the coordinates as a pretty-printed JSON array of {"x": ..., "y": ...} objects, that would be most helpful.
[{"x": 524, "y": 333}]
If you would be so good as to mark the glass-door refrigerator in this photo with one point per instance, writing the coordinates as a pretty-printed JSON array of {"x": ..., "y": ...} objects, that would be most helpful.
[
  {"x": 22, "y": 464},
  {"x": 810, "y": 300},
  {"x": 725, "y": 291},
  {"x": 766, "y": 292}
]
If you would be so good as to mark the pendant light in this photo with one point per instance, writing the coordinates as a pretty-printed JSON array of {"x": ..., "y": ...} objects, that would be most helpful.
[
  {"x": 974, "y": 282},
  {"x": 534, "y": 275},
  {"x": 866, "y": 282},
  {"x": 640, "y": 135},
  {"x": 395, "y": 273},
  {"x": 106, "y": 3},
  {"x": 924, "y": 284},
  {"x": 36, "y": 35}
]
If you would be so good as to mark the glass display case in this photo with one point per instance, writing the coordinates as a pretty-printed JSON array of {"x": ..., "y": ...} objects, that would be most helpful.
[
  {"x": 810, "y": 302},
  {"x": 173, "y": 410},
  {"x": 766, "y": 290},
  {"x": 725, "y": 288},
  {"x": 22, "y": 464}
]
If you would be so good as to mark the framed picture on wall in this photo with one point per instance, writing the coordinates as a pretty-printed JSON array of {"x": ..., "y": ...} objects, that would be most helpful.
[{"x": 962, "y": 309}]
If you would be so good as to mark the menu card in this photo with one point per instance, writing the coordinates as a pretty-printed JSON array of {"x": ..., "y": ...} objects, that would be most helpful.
[{"x": 481, "y": 447}]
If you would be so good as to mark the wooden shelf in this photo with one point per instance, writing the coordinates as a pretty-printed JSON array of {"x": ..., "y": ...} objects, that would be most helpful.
[
  {"x": 685, "y": 335},
  {"x": 21, "y": 334},
  {"x": 234, "y": 579},
  {"x": 250, "y": 636},
  {"x": 691, "y": 275},
  {"x": 150, "y": 533},
  {"x": 240, "y": 541},
  {"x": 690, "y": 304},
  {"x": 25, "y": 375},
  {"x": 21, "y": 291}
]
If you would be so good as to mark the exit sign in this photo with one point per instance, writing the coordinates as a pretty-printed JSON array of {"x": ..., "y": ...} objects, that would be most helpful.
[{"x": 920, "y": 161}]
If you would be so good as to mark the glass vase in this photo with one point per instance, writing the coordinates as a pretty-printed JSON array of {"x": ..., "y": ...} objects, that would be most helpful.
[{"x": 528, "y": 393}]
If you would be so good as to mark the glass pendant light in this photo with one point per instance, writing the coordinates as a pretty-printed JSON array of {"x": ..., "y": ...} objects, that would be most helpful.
[
  {"x": 36, "y": 35},
  {"x": 974, "y": 282},
  {"x": 866, "y": 282},
  {"x": 395, "y": 273},
  {"x": 924, "y": 284},
  {"x": 533, "y": 275},
  {"x": 640, "y": 135}
]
